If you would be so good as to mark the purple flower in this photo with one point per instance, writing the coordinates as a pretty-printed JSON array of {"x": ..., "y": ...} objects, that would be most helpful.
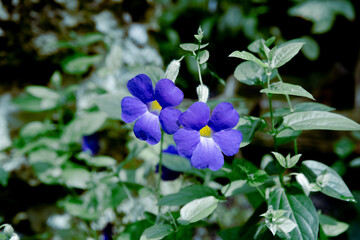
[
  {"x": 90, "y": 144},
  {"x": 203, "y": 138},
  {"x": 152, "y": 108},
  {"x": 166, "y": 173}
]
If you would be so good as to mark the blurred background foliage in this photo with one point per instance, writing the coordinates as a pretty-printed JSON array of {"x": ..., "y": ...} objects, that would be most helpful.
[{"x": 80, "y": 54}]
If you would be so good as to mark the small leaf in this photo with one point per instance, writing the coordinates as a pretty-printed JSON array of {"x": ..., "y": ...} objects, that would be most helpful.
[
  {"x": 4, "y": 177},
  {"x": 284, "y": 52},
  {"x": 250, "y": 73},
  {"x": 197, "y": 210},
  {"x": 187, "y": 194},
  {"x": 101, "y": 161},
  {"x": 237, "y": 187},
  {"x": 156, "y": 232},
  {"x": 311, "y": 49},
  {"x": 310, "y": 120},
  {"x": 203, "y": 56},
  {"x": 76, "y": 177},
  {"x": 287, "y": 89},
  {"x": 248, "y": 56},
  {"x": 192, "y": 47},
  {"x": 333, "y": 185},
  {"x": 332, "y": 227},
  {"x": 280, "y": 158}
]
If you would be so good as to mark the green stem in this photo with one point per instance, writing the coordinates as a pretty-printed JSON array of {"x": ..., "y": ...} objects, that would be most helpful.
[
  {"x": 272, "y": 122},
  {"x": 295, "y": 147},
  {"x": 261, "y": 192},
  {"x": 158, "y": 193}
]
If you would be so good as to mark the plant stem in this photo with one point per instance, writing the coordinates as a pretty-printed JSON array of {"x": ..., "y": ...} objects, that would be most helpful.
[
  {"x": 199, "y": 70},
  {"x": 295, "y": 147},
  {"x": 160, "y": 166},
  {"x": 261, "y": 192},
  {"x": 272, "y": 121}
]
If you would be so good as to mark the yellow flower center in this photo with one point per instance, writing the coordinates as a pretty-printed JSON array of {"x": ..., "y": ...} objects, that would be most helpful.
[
  {"x": 205, "y": 131},
  {"x": 155, "y": 106}
]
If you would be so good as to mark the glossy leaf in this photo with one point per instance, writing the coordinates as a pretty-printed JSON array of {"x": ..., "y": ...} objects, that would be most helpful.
[
  {"x": 331, "y": 226},
  {"x": 299, "y": 209},
  {"x": 248, "y": 56},
  {"x": 284, "y": 52},
  {"x": 197, "y": 210},
  {"x": 186, "y": 195},
  {"x": 334, "y": 186},
  {"x": 156, "y": 232},
  {"x": 320, "y": 120},
  {"x": 287, "y": 89}
]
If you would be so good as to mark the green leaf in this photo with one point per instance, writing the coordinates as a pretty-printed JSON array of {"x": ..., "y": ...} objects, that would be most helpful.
[
  {"x": 332, "y": 227},
  {"x": 286, "y": 162},
  {"x": 250, "y": 73},
  {"x": 248, "y": 126},
  {"x": 4, "y": 177},
  {"x": 287, "y": 89},
  {"x": 110, "y": 104},
  {"x": 186, "y": 195},
  {"x": 197, "y": 210},
  {"x": 320, "y": 120},
  {"x": 248, "y": 56},
  {"x": 156, "y": 232},
  {"x": 56, "y": 79},
  {"x": 79, "y": 64},
  {"x": 344, "y": 147},
  {"x": 176, "y": 163},
  {"x": 86, "y": 124},
  {"x": 286, "y": 135},
  {"x": 192, "y": 47},
  {"x": 312, "y": 106},
  {"x": 42, "y": 92},
  {"x": 323, "y": 13},
  {"x": 76, "y": 177},
  {"x": 299, "y": 209},
  {"x": 3, "y": 236},
  {"x": 355, "y": 162},
  {"x": 101, "y": 161},
  {"x": 284, "y": 52},
  {"x": 203, "y": 56},
  {"x": 34, "y": 104},
  {"x": 77, "y": 208},
  {"x": 334, "y": 186},
  {"x": 311, "y": 49},
  {"x": 33, "y": 129},
  {"x": 237, "y": 187}
]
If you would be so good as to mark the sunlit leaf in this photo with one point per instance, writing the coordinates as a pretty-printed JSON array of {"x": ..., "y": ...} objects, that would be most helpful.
[
  {"x": 284, "y": 52},
  {"x": 197, "y": 210},
  {"x": 333, "y": 185},
  {"x": 287, "y": 89},
  {"x": 320, "y": 120}
]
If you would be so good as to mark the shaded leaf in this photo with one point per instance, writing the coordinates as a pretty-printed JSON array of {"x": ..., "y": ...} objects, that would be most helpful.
[
  {"x": 248, "y": 126},
  {"x": 331, "y": 226}
]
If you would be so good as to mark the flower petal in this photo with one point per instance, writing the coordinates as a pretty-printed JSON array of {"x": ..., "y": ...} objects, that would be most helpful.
[
  {"x": 167, "y": 174},
  {"x": 167, "y": 94},
  {"x": 147, "y": 128},
  {"x": 141, "y": 87},
  {"x": 186, "y": 141},
  {"x": 169, "y": 120},
  {"x": 207, "y": 154},
  {"x": 196, "y": 117},
  {"x": 171, "y": 150},
  {"x": 224, "y": 116},
  {"x": 132, "y": 109},
  {"x": 228, "y": 141}
]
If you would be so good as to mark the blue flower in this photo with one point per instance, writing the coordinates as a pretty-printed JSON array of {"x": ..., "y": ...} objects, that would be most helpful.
[
  {"x": 166, "y": 173},
  {"x": 91, "y": 144},
  {"x": 152, "y": 108},
  {"x": 203, "y": 138}
]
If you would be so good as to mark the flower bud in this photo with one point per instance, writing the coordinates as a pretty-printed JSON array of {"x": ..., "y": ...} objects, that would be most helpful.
[
  {"x": 203, "y": 93},
  {"x": 8, "y": 230},
  {"x": 14, "y": 237},
  {"x": 173, "y": 70}
]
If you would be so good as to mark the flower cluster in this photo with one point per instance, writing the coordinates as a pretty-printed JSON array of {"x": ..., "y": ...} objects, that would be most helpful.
[{"x": 199, "y": 136}]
